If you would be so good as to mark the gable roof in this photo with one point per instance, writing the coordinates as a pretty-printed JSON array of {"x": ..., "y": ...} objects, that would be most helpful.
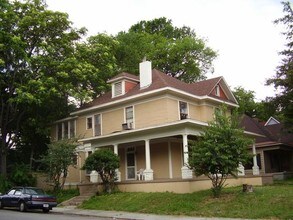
[
  {"x": 160, "y": 81},
  {"x": 272, "y": 121},
  {"x": 274, "y": 134}
]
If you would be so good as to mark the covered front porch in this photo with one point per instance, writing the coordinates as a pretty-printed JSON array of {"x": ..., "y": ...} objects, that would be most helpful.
[{"x": 155, "y": 153}]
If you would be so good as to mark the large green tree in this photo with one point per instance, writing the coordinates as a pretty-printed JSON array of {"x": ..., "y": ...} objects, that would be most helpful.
[
  {"x": 94, "y": 64},
  {"x": 283, "y": 80},
  {"x": 179, "y": 52},
  {"x": 219, "y": 151},
  {"x": 60, "y": 155},
  {"x": 246, "y": 102},
  {"x": 33, "y": 43},
  {"x": 262, "y": 110}
]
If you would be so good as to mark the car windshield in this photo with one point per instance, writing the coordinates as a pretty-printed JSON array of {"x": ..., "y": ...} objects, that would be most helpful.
[{"x": 34, "y": 191}]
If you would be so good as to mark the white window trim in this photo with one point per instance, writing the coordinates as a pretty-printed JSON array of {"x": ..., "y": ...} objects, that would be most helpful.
[
  {"x": 135, "y": 164},
  {"x": 133, "y": 112},
  {"x": 122, "y": 88},
  {"x": 86, "y": 123},
  {"x": 217, "y": 90},
  {"x": 187, "y": 109},
  {"x": 94, "y": 125}
]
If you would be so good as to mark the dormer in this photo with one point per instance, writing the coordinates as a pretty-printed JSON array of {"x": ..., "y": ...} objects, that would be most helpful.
[{"x": 122, "y": 83}]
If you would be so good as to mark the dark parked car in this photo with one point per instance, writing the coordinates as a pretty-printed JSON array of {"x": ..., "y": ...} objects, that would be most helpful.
[{"x": 28, "y": 198}]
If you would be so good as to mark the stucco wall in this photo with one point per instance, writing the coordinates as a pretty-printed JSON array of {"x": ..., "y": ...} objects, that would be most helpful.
[
  {"x": 181, "y": 186},
  {"x": 154, "y": 112},
  {"x": 81, "y": 130},
  {"x": 206, "y": 113},
  {"x": 112, "y": 121}
]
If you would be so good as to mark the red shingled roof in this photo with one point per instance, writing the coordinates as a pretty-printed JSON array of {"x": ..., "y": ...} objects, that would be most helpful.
[
  {"x": 160, "y": 80},
  {"x": 124, "y": 75},
  {"x": 273, "y": 134}
]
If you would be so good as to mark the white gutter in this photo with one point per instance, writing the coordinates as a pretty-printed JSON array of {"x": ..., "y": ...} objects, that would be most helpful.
[
  {"x": 124, "y": 132},
  {"x": 150, "y": 93}
]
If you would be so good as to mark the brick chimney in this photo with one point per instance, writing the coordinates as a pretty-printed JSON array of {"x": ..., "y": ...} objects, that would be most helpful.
[{"x": 145, "y": 74}]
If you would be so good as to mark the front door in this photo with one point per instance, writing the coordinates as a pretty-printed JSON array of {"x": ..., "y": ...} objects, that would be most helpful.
[{"x": 130, "y": 163}]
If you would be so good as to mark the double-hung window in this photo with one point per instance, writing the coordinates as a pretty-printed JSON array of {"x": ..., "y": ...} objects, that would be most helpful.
[
  {"x": 89, "y": 123},
  {"x": 97, "y": 124},
  {"x": 183, "y": 110},
  {"x": 129, "y": 116},
  {"x": 66, "y": 130}
]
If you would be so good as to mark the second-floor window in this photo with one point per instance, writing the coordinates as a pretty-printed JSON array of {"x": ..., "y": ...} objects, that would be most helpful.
[
  {"x": 117, "y": 89},
  {"x": 129, "y": 116},
  {"x": 183, "y": 110},
  {"x": 217, "y": 90},
  {"x": 66, "y": 130},
  {"x": 89, "y": 123},
  {"x": 97, "y": 125}
]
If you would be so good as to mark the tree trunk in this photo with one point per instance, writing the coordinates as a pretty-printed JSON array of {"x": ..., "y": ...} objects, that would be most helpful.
[
  {"x": 3, "y": 156},
  {"x": 3, "y": 163}
]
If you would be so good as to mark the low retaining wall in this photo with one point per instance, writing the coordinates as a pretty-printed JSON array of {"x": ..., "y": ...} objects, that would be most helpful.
[
  {"x": 178, "y": 185},
  {"x": 282, "y": 175}
]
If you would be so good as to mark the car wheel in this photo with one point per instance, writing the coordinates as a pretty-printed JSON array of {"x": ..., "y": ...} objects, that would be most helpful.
[
  {"x": 46, "y": 210},
  {"x": 22, "y": 207}
]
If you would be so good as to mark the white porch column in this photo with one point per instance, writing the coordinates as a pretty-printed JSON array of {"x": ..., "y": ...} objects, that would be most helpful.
[
  {"x": 148, "y": 172},
  {"x": 186, "y": 173},
  {"x": 241, "y": 170},
  {"x": 255, "y": 168},
  {"x": 118, "y": 173},
  {"x": 94, "y": 177}
]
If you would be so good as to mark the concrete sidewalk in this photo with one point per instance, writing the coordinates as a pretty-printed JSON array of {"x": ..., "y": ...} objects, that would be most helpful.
[{"x": 72, "y": 210}]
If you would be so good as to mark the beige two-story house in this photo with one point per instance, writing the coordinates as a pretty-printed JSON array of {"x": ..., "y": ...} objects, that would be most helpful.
[{"x": 147, "y": 121}]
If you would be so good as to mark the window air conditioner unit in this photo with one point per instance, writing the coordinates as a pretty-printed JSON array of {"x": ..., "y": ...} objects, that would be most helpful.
[
  {"x": 127, "y": 126},
  {"x": 183, "y": 116}
]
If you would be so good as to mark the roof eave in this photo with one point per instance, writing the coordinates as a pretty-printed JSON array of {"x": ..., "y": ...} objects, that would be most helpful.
[{"x": 149, "y": 93}]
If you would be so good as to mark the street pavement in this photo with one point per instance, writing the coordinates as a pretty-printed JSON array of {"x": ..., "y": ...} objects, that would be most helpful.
[{"x": 72, "y": 210}]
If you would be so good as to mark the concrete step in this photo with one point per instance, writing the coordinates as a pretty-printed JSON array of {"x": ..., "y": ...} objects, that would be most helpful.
[{"x": 75, "y": 200}]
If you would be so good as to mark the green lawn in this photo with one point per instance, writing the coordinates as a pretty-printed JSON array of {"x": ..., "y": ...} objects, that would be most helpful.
[{"x": 274, "y": 201}]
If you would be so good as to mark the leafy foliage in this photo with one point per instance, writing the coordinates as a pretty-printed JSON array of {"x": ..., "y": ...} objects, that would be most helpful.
[
  {"x": 283, "y": 80},
  {"x": 21, "y": 176},
  {"x": 220, "y": 150},
  {"x": 246, "y": 102},
  {"x": 5, "y": 184},
  {"x": 175, "y": 51},
  {"x": 262, "y": 110},
  {"x": 105, "y": 162},
  {"x": 60, "y": 155},
  {"x": 34, "y": 87}
]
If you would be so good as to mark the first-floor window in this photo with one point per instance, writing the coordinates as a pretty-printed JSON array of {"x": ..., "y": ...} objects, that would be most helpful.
[{"x": 130, "y": 163}]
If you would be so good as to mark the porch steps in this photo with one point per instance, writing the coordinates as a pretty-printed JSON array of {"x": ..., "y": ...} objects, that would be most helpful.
[{"x": 77, "y": 200}]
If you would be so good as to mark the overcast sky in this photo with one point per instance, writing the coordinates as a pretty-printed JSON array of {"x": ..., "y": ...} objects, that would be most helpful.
[{"x": 242, "y": 31}]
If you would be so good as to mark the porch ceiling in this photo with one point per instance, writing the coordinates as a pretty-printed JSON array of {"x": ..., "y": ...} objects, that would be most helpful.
[{"x": 186, "y": 126}]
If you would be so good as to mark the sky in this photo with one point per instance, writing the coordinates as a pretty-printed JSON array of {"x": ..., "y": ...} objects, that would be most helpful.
[{"x": 241, "y": 31}]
